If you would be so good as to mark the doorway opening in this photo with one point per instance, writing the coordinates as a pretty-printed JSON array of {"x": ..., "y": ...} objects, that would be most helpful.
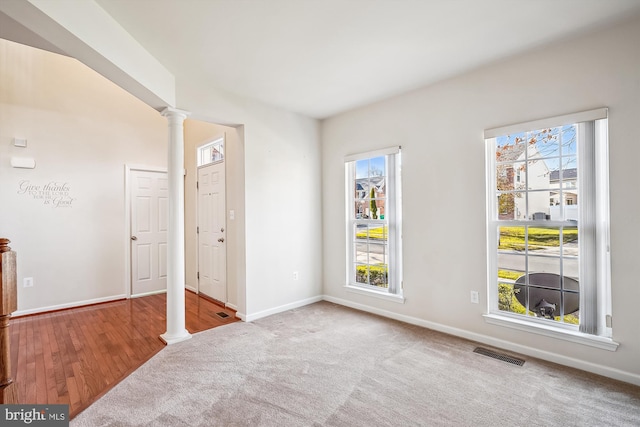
[{"x": 211, "y": 220}]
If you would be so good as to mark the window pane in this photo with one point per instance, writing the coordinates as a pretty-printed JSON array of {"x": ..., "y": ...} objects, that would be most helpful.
[
  {"x": 510, "y": 147},
  {"x": 570, "y": 241},
  {"x": 541, "y": 264},
  {"x": 362, "y": 253},
  {"x": 511, "y": 266},
  {"x": 511, "y": 176},
  {"x": 362, "y": 274},
  {"x": 544, "y": 280},
  {"x": 544, "y": 240},
  {"x": 569, "y": 140},
  {"x": 511, "y": 238},
  {"x": 507, "y": 300},
  {"x": 377, "y": 167},
  {"x": 538, "y": 205},
  {"x": 511, "y": 206},
  {"x": 570, "y": 268},
  {"x": 362, "y": 169},
  {"x": 544, "y": 143},
  {"x": 377, "y": 254},
  {"x": 538, "y": 176},
  {"x": 378, "y": 276}
]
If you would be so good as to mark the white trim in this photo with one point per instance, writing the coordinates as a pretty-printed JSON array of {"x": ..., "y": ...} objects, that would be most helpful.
[
  {"x": 393, "y": 220},
  {"x": 127, "y": 218},
  {"x": 146, "y": 294},
  {"x": 280, "y": 309},
  {"x": 231, "y": 306},
  {"x": 375, "y": 293},
  {"x": 69, "y": 305},
  {"x": 550, "y": 122},
  {"x": 210, "y": 142},
  {"x": 596, "y": 341},
  {"x": 191, "y": 288},
  {"x": 593, "y": 226},
  {"x": 606, "y": 371},
  {"x": 168, "y": 340},
  {"x": 371, "y": 154}
]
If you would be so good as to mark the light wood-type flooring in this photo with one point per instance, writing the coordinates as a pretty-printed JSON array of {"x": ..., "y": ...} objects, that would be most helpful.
[{"x": 75, "y": 356}]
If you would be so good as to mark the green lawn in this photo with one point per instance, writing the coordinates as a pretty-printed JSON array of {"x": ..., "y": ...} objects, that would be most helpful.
[
  {"x": 513, "y": 237},
  {"x": 379, "y": 233}
]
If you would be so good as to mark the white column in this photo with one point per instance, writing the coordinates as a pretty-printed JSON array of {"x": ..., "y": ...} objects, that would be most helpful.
[{"x": 176, "y": 330}]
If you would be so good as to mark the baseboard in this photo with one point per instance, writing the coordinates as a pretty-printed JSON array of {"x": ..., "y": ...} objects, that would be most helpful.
[
  {"x": 280, "y": 309},
  {"x": 191, "y": 288},
  {"x": 231, "y": 306},
  {"x": 146, "y": 294},
  {"x": 68, "y": 305},
  {"x": 494, "y": 342}
]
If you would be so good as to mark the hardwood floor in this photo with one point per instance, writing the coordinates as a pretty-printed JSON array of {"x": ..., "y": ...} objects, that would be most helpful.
[{"x": 75, "y": 356}]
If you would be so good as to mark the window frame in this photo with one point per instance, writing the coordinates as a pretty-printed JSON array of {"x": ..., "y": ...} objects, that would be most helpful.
[
  {"x": 218, "y": 144},
  {"x": 593, "y": 225},
  {"x": 393, "y": 221}
]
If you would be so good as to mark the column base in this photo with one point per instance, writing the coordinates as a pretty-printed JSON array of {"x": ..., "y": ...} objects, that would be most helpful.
[
  {"x": 8, "y": 394},
  {"x": 173, "y": 339}
]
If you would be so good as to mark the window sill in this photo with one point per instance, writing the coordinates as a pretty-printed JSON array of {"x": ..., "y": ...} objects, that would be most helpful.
[
  {"x": 603, "y": 343},
  {"x": 373, "y": 293}
]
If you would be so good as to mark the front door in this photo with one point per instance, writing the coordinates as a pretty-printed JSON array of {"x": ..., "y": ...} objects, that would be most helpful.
[
  {"x": 149, "y": 199},
  {"x": 212, "y": 255}
]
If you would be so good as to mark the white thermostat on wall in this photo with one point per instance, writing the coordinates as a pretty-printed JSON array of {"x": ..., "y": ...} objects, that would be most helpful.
[{"x": 19, "y": 142}]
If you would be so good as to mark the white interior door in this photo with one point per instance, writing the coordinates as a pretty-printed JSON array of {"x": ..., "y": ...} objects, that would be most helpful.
[
  {"x": 212, "y": 254},
  {"x": 149, "y": 202}
]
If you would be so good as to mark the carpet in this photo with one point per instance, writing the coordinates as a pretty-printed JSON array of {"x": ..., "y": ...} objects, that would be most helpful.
[{"x": 328, "y": 365}]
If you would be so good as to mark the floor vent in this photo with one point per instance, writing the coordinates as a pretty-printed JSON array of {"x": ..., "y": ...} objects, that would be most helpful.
[
  {"x": 222, "y": 315},
  {"x": 503, "y": 357}
]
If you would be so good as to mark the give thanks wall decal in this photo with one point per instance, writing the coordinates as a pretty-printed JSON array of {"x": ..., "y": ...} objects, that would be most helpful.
[{"x": 54, "y": 194}]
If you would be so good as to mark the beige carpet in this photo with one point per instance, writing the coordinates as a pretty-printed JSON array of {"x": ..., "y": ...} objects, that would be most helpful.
[{"x": 326, "y": 365}]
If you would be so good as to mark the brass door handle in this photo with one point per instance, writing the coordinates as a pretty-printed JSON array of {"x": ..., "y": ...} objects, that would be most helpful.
[
  {"x": 134, "y": 238},
  {"x": 221, "y": 239}
]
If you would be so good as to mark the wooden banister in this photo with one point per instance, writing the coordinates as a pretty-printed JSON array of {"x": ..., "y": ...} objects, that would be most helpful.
[{"x": 8, "y": 304}]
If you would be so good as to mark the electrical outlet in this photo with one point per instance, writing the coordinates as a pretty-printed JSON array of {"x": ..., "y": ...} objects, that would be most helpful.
[
  {"x": 295, "y": 275},
  {"x": 475, "y": 298},
  {"x": 27, "y": 282}
]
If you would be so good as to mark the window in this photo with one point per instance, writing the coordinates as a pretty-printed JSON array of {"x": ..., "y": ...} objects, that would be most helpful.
[
  {"x": 211, "y": 153},
  {"x": 373, "y": 222},
  {"x": 547, "y": 231}
]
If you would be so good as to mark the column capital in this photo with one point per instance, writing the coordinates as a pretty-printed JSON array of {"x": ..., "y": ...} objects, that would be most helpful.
[{"x": 171, "y": 112}]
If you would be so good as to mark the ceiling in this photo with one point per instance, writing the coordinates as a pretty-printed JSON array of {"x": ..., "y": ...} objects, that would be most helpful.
[{"x": 323, "y": 57}]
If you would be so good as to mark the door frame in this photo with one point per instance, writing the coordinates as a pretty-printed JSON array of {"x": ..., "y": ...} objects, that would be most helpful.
[
  {"x": 208, "y": 141},
  {"x": 127, "y": 215}
]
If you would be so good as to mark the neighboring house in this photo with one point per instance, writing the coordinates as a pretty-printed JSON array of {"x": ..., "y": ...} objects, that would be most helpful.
[
  {"x": 515, "y": 174},
  {"x": 363, "y": 195},
  {"x": 567, "y": 193}
]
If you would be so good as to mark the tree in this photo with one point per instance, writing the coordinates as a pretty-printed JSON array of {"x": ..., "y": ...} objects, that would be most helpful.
[{"x": 374, "y": 207}]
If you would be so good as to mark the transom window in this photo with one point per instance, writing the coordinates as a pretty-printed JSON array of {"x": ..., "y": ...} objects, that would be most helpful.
[
  {"x": 373, "y": 221},
  {"x": 548, "y": 219},
  {"x": 211, "y": 153}
]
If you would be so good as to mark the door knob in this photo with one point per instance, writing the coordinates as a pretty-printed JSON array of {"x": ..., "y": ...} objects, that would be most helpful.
[
  {"x": 221, "y": 239},
  {"x": 134, "y": 238}
]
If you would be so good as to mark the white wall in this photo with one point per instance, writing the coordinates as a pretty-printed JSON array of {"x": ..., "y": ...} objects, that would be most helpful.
[
  {"x": 283, "y": 209},
  {"x": 440, "y": 129},
  {"x": 81, "y": 129}
]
